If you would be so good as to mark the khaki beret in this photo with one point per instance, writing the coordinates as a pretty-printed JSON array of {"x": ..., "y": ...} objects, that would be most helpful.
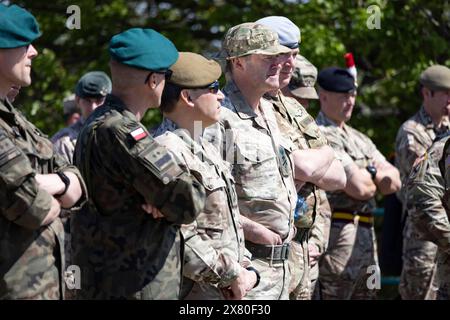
[
  {"x": 436, "y": 77},
  {"x": 194, "y": 71}
]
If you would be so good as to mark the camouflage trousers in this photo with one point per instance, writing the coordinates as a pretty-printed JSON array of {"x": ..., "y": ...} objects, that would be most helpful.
[
  {"x": 274, "y": 283},
  {"x": 131, "y": 285},
  {"x": 300, "y": 283},
  {"x": 314, "y": 276},
  {"x": 348, "y": 265},
  {"x": 418, "y": 271},
  {"x": 443, "y": 275}
]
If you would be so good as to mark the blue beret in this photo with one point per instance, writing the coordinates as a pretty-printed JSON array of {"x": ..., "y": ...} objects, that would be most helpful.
[
  {"x": 288, "y": 32},
  {"x": 18, "y": 27},
  {"x": 336, "y": 79},
  {"x": 143, "y": 49}
]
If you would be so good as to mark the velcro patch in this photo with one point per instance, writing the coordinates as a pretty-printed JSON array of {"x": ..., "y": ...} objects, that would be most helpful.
[
  {"x": 7, "y": 150},
  {"x": 138, "y": 134}
]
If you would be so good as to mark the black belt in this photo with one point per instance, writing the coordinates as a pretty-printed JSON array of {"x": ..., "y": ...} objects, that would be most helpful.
[{"x": 270, "y": 252}]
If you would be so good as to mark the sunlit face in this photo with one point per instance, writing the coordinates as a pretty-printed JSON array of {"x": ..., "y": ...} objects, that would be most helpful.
[
  {"x": 207, "y": 105},
  {"x": 287, "y": 61},
  {"x": 262, "y": 71},
  {"x": 15, "y": 65},
  {"x": 337, "y": 106}
]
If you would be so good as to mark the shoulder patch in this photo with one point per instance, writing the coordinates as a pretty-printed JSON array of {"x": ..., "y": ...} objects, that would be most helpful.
[
  {"x": 8, "y": 151},
  {"x": 138, "y": 134}
]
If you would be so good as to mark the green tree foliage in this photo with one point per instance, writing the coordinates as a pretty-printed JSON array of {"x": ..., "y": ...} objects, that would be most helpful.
[{"x": 412, "y": 35}]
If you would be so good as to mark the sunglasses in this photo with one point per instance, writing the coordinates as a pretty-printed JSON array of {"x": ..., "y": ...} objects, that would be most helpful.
[
  {"x": 213, "y": 87},
  {"x": 167, "y": 74}
]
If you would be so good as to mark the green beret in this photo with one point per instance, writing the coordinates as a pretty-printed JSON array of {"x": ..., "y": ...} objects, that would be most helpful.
[
  {"x": 94, "y": 84},
  {"x": 143, "y": 49},
  {"x": 18, "y": 27},
  {"x": 194, "y": 71},
  {"x": 436, "y": 77}
]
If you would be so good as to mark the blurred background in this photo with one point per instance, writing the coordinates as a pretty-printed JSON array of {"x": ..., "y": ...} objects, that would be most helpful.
[{"x": 392, "y": 43}]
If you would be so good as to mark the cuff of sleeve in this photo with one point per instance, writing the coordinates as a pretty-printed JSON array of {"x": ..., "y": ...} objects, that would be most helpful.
[
  {"x": 230, "y": 275},
  {"x": 84, "y": 196}
]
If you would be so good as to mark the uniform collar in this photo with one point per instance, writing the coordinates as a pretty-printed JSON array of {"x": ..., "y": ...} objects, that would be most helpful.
[
  {"x": 168, "y": 125},
  {"x": 239, "y": 104},
  {"x": 425, "y": 119}
]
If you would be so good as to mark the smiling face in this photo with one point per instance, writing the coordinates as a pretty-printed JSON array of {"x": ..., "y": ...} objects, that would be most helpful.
[{"x": 15, "y": 66}]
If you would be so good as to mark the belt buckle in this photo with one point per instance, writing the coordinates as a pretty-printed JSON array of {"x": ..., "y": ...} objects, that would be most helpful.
[{"x": 285, "y": 251}]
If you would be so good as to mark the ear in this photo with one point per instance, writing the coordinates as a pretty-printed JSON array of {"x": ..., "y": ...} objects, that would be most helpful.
[
  {"x": 238, "y": 63},
  {"x": 185, "y": 96},
  {"x": 153, "y": 81},
  {"x": 425, "y": 92}
]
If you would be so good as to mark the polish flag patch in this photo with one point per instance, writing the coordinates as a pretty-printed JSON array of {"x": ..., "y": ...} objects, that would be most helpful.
[{"x": 138, "y": 134}]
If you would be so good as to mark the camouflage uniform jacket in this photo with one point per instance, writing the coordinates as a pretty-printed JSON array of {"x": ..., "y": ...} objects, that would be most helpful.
[
  {"x": 261, "y": 163},
  {"x": 65, "y": 139},
  {"x": 214, "y": 242},
  {"x": 30, "y": 255},
  {"x": 119, "y": 247},
  {"x": 296, "y": 124},
  {"x": 351, "y": 146},
  {"x": 414, "y": 137},
  {"x": 424, "y": 191}
]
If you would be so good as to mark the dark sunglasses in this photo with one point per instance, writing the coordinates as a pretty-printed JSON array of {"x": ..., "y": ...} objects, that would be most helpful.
[
  {"x": 167, "y": 74},
  {"x": 213, "y": 87}
]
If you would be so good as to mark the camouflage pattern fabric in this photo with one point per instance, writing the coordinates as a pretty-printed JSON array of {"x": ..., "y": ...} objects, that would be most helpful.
[
  {"x": 32, "y": 257},
  {"x": 414, "y": 137},
  {"x": 319, "y": 236},
  {"x": 352, "y": 248},
  {"x": 344, "y": 268},
  {"x": 118, "y": 246},
  {"x": 214, "y": 242},
  {"x": 263, "y": 172},
  {"x": 424, "y": 191},
  {"x": 64, "y": 143},
  {"x": 296, "y": 124},
  {"x": 65, "y": 140}
]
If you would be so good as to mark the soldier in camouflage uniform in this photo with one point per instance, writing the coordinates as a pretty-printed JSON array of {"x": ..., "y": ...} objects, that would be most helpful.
[
  {"x": 424, "y": 191},
  {"x": 215, "y": 263},
  {"x": 122, "y": 251},
  {"x": 296, "y": 124},
  {"x": 35, "y": 182},
  {"x": 248, "y": 137},
  {"x": 347, "y": 267},
  {"x": 414, "y": 137},
  {"x": 90, "y": 93},
  {"x": 301, "y": 88}
]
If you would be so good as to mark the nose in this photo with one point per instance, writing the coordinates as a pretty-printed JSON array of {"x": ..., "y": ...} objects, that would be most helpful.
[
  {"x": 32, "y": 52},
  {"x": 220, "y": 95}
]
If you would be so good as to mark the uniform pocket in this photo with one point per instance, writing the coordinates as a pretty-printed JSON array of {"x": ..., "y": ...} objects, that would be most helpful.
[{"x": 256, "y": 172}]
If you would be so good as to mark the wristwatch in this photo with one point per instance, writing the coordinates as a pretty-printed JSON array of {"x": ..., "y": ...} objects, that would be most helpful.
[
  {"x": 258, "y": 277},
  {"x": 65, "y": 179},
  {"x": 372, "y": 170}
]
